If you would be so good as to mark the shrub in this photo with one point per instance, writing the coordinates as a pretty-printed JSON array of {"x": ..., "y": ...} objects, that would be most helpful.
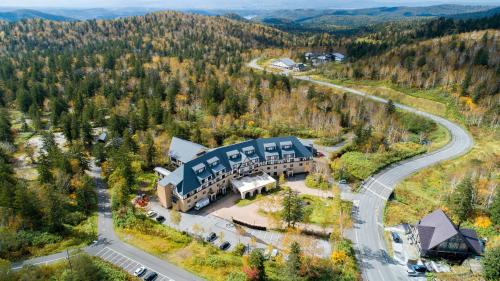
[
  {"x": 236, "y": 276},
  {"x": 316, "y": 181},
  {"x": 74, "y": 218},
  {"x": 490, "y": 262},
  {"x": 239, "y": 249}
]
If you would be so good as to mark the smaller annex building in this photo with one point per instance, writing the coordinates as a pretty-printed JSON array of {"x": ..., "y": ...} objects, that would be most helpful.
[
  {"x": 254, "y": 184},
  {"x": 246, "y": 167},
  {"x": 437, "y": 236}
]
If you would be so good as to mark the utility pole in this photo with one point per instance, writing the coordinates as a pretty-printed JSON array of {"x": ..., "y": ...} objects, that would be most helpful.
[{"x": 69, "y": 260}]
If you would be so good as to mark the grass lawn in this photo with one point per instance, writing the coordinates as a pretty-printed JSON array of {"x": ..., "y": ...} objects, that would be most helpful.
[{"x": 326, "y": 212}]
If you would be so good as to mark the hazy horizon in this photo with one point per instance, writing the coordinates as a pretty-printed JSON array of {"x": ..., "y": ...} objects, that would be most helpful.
[{"x": 227, "y": 4}]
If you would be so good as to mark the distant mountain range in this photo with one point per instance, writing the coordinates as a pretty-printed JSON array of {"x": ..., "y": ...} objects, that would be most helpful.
[
  {"x": 276, "y": 17},
  {"x": 20, "y": 14},
  {"x": 57, "y": 14}
]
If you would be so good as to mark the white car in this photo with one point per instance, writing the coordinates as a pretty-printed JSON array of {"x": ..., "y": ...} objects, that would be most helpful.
[
  {"x": 151, "y": 214},
  {"x": 140, "y": 271}
]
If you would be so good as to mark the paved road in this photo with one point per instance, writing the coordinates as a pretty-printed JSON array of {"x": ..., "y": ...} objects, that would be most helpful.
[
  {"x": 112, "y": 249},
  {"x": 369, "y": 204}
]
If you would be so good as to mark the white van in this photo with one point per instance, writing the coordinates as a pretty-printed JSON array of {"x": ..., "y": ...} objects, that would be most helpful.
[{"x": 201, "y": 203}]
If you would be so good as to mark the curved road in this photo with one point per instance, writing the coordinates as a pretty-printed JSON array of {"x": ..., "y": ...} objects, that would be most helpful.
[
  {"x": 112, "y": 249},
  {"x": 368, "y": 226}
]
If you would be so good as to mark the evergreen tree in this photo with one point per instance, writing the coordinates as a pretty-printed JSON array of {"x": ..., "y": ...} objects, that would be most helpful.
[
  {"x": 86, "y": 197},
  {"x": 461, "y": 201},
  {"x": 390, "y": 108},
  {"x": 495, "y": 210},
  {"x": 293, "y": 209},
  {"x": 149, "y": 151},
  {"x": 491, "y": 262},
  {"x": 5, "y": 127},
  {"x": 294, "y": 262},
  {"x": 256, "y": 262}
]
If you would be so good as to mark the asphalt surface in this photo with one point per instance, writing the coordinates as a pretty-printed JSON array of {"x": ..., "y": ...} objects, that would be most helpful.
[
  {"x": 369, "y": 204},
  {"x": 111, "y": 248}
]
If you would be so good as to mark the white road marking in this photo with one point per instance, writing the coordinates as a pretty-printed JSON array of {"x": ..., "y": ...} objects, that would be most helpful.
[
  {"x": 375, "y": 193},
  {"x": 380, "y": 183},
  {"x": 160, "y": 276},
  {"x": 102, "y": 250}
]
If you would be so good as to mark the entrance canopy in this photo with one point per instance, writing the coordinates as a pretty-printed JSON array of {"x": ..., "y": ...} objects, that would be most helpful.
[{"x": 253, "y": 184}]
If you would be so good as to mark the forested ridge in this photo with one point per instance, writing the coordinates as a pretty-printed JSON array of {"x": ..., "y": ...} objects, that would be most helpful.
[{"x": 466, "y": 65}]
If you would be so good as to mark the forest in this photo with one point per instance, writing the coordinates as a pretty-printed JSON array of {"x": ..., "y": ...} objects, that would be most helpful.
[{"x": 145, "y": 79}]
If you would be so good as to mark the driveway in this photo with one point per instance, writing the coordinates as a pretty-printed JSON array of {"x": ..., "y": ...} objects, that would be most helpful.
[{"x": 298, "y": 184}]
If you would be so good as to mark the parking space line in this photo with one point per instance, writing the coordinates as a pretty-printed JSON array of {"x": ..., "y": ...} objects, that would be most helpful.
[
  {"x": 122, "y": 262},
  {"x": 108, "y": 255},
  {"x": 138, "y": 264},
  {"x": 103, "y": 249},
  {"x": 103, "y": 253},
  {"x": 117, "y": 257}
]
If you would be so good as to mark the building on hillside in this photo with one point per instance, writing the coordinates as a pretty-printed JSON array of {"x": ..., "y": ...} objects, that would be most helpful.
[
  {"x": 299, "y": 67},
  {"x": 283, "y": 63},
  {"x": 338, "y": 57},
  {"x": 182, "y": 151},
  {"x": 437, "y": 236},
  {"x": 317, "y": 59},
  {"x": 245, "y": 167}
]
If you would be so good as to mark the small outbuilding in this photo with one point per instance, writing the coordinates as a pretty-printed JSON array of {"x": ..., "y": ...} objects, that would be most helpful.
[{"x": 253, "y": 184}]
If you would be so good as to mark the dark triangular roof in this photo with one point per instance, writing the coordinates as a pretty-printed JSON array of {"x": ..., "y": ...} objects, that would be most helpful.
[{"x": 436, "y": 228}]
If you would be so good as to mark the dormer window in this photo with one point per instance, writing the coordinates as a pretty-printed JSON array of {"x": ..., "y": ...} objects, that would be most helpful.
[
  {"x": 213, "y": 162},
  {"x": 199, "y": 168},
  {"x": 233, "y": 154},
  {"x": 249, "y": 150},
  {"x": 286, "y": 145},
  {"x": 269, "y": 146}
]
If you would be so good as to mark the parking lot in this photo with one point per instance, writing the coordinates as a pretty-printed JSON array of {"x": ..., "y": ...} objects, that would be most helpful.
[{"x": 125, "y": 262}]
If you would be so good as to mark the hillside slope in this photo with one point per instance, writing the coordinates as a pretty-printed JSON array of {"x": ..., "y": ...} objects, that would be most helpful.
[
  {"x": 169, "y": 32},
  {"x": 466, "y": 65}
]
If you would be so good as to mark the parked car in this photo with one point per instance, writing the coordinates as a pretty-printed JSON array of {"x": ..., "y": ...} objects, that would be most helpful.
[
  {"x": 151, "y": 214},
  {"x": 396, "y": 237},
  {"x": 160, "y": 218},
  {"x": 211, "y": 237},
  {"x": 150, "y": 276},
  {"x": 140, "y": 271},
  {"x": 224, "y": 246},
  {"x": 343, "y": 181},
  {"x": 415, "y": 269}
]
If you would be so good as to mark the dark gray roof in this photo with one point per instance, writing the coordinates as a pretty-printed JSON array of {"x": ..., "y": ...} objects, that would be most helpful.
[
  {"x": 184, "y": 150},
  {"x": 189, "y": 181},
  {"x": 285, "y": 143},
  {"x": 436, "y": 227},
  {"x": 472, "y": 239}
]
